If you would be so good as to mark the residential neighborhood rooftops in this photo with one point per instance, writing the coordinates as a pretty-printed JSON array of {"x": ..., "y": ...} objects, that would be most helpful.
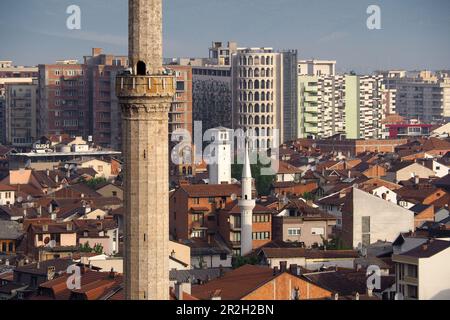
[{"x": 427, "y": 250}]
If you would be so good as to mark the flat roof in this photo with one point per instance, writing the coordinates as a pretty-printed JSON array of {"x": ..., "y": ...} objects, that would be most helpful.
[{"x": 65, "y": 154}]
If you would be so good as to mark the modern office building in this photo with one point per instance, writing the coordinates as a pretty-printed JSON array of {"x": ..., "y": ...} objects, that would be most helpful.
[
  {"x": 212, "y": 96},
  {"x": 290, "y": 94},
  {"x": 21, "y": 114},
  {"x": 422, "y": 96}
]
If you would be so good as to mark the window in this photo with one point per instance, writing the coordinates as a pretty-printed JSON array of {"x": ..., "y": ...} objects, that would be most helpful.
[
  {"x": 412, "y": 292},
  {"x": 40, "y": 238},
  {"x": 412, "y": 271},
  {"x": 318, "y": 231},
  {"x": 180, "y": 85},
  {"x": 196, "y": 200},
  {"x": 223, "y": 256},
  {"x": 294, "y": 232}
]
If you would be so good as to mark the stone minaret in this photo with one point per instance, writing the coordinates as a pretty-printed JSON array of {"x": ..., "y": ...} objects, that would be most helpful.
[
  {"x": 145, "y": 96},
  {"x": 247, "y": 204}
]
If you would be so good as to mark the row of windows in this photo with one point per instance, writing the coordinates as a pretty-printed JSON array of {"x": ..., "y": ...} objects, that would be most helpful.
[
  {"x": 255, "y": 73},
  {"x": 256, "y": 120},
  {"x": 250, "y": 84},
  {"x": 250, "y": 61},
  {"x": 244, "y": 96},
  {"x": 69, "y": 72},
  {"x": 244, "y": 108},
  {"x": 261, "y": 236},
  {"x": 5, "y": 195},
  {"x": 212, "y": 72},
  {"x": 261, "y": 218}
]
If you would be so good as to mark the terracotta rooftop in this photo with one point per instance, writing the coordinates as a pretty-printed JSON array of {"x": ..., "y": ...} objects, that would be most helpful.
[
  {"x": 205, "y": 190},
  {"x": 236, "y": 284}
]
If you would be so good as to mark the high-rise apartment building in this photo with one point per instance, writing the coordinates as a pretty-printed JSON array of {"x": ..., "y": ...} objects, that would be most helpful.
[
  {"x": 180, "y": 115},
  {"x": 257, "y": 95},
  {"x": 21, "y": 114},
  {"x": 104, "y": 113},
  {"x": 221, "y": 55},
  {"x": 316, "y": 67},
  {"x": 2, "y": 120},
  {"x": 15, "y": 74},
  {"x": 341, "y": 104},
  {"x": 63, "y": 99},
  {"x": 422, "y": 96}
]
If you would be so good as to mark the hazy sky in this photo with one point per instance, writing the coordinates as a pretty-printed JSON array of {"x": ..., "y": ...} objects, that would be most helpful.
[{"x": 415, "y": 34}]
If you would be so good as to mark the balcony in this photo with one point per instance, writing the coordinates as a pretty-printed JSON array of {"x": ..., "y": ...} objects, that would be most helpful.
[
  {"x": 311, "y": 130},
  {"x": 235, "y": 226},
  {"x": 311, "y": 109},
  {"x": 312, "y": 119},
  {"x": 311, "y": 98}
]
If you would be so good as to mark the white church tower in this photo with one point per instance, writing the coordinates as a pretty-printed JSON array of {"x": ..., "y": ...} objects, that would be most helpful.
[
  {"x": 220, "y": 169},
  {"x": 247, "y": 204}
]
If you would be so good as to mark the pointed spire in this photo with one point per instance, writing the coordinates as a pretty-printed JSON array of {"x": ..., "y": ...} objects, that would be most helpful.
[{"x": 246, "y": 172}]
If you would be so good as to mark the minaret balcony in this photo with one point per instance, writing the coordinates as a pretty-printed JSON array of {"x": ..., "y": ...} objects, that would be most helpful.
[{"x": 145, "y": 86}]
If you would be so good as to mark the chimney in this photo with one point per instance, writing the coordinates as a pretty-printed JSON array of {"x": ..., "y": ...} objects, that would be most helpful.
[
  {"x": 56, "y": 178},
  {"x": 336, "y": 296},
  {"x": 53, "y": 216},
  {"x": 69, "y": 227},
  {"x": 40, "y": 211},
  {"x": 370, "y": 292},
  {"x": 45, "y": 227},
  {"x": 99, "y": 226},
  {"x": 294, "y": 269},
  {"x": 283, "y": 266},
  {"x": 275, "y": 271},
  {"x": 357, "y": 296},
  {"x": 68, "y": 173},
  {"x": 7, "y": 262},
  {"x": 112, "y": 274}
]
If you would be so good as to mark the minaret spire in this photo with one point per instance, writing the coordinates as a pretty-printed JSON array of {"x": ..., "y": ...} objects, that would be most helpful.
[{"x": 247, "y": 204}]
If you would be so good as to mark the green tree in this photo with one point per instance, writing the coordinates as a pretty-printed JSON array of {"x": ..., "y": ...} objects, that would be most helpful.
[
  {"x": 239, "y": 261},
  {"x": 262, "y": 182},
  {"x": 93, "y": 183},
  {"x": 98, "y": 248}
]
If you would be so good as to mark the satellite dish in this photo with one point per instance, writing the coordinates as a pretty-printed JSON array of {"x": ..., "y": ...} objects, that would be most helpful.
[
  {"x": 52, "y": 244},
  {"x": 19, "y": 199},
  {"x": 29, "y": 198},
  {"x": 233, "y": 197},
  {"x": 46, "y": 240},
  {"x": 66, "y": 166}
]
